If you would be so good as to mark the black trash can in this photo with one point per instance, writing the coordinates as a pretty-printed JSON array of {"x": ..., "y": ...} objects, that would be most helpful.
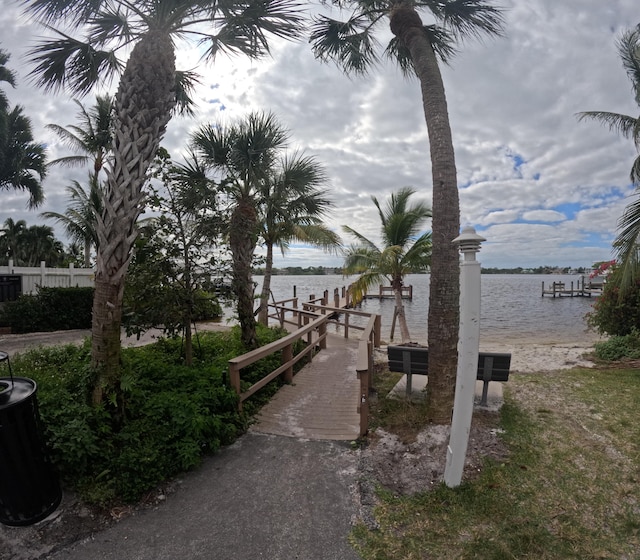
[{"x": 29, "y": 486}]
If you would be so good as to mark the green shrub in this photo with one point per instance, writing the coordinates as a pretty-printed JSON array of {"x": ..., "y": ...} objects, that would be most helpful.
[
  {"x": 171, "y": 414},
  {"x": 615, "y": 315},
  {"x": 51, "y": 309},
  {"x": 619, "y": 347}
]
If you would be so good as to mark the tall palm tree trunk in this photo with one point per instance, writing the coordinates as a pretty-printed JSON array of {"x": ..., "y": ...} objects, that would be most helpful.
[
  {"x": 242, "y": 240},
  {"x": 143, "y": 106},
  {"x": 263, "y": 315},
  {"x": 444, "y": 295}
]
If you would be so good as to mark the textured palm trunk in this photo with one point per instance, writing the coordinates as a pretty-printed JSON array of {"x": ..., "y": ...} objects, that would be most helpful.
[
  {"x": 242, "y": 240},
  {"x": 444, "y": 295},
  {"x": 263, "y": 316},
  {"x": 399, "y": 310},
  {"x": 143, "y": 107}
]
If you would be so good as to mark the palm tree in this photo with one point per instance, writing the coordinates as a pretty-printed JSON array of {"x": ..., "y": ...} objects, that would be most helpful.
[
  {"x": 92, "y": 138},
  {"x": 91, "y": 141},
  {"x": 627, "y": 242},
  {"x": 149, "y": 90},
  {"x": 403, "y": 251},
  {"x": 418, "y": 48},
  {"x": 22, "y": 161},
  {"x": 10, "y": 245},
  {"x": 244, "y": 153},
  {"x": 292, "y": 207},
  {"x": 81, "y": 216}
]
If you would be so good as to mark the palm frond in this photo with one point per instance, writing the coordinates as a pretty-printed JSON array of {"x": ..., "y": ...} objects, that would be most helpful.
[
  {"x": 70, "y": 63},
  {"x": 350, "y": 44},
  {"x": 627, "y": 244},
  {"x": 76, "y": 12},
  {"x": 470, "y": 18},
  {"x": 616, "y": 122},
  {"x": 361, "y": 238},
  {"x": 186, "y": 82},
  {"x": 629, "y": 49}
]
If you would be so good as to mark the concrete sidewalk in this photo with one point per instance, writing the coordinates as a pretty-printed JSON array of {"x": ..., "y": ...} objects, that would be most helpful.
[{"x": 264, "y": 497}]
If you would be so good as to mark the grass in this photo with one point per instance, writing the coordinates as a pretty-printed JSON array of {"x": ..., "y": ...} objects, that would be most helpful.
[{"x": 569, "y": 489}]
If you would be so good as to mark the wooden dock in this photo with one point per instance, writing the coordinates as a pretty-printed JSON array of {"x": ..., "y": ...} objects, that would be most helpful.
[
  {"x": 385, "y": 292},
  {"x": 578, "y": 289}
]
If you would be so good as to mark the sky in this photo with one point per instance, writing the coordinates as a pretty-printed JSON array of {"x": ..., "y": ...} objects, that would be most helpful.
[{"x": 541, "y": 187}]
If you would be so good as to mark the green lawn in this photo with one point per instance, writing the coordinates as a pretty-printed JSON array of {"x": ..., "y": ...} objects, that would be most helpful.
[{"x": 568, "y": 490}]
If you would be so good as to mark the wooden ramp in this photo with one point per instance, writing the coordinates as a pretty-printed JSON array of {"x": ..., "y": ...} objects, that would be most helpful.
[{"x": 322, "y": 401}]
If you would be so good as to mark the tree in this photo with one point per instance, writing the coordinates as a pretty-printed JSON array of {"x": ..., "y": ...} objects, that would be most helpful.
[
  {"x": 81, "y": 216},
  {"x": 244, "y": 154},
  {"x": 626, "y": 245},
  {"x": 292, "y": 207},
  {"x": 418, "y": 48},
  {"x": 172, "y": 265},
  {"x": 149, "y": 90},
  {"x": 91, "y": 139},
  {"x": 22, "y": 161},
  {"x": 28, "y": 246},
  {"x": 404, "y": 251}
]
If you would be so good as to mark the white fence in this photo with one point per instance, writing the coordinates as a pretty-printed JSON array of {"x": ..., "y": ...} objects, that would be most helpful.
[{"x": 34, "y": 277}]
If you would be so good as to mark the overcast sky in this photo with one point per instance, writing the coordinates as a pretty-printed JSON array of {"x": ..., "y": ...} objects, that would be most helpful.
[{"x": 542, "y": 188}]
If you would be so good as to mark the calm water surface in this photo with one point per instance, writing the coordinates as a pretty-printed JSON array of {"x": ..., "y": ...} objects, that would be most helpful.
[{"x": 512, "y": 306}]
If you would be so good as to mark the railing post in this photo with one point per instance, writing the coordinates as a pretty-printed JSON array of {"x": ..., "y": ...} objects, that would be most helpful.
[
  {"x": 377, "y": 331},
  {"x": 234, "y": 381},
  {"x": 336, "y": 298},
  {"x": 322, "y": 331},
  {"x": 364, "y": 373},
  {"x": 287, "y": 356},
  {"x": 346, "y": 325}
]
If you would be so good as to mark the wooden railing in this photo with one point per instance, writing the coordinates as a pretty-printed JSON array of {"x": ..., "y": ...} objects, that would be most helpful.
[
  {"x": 311, "y": 325},
  {"x": 286, "y": 344}
]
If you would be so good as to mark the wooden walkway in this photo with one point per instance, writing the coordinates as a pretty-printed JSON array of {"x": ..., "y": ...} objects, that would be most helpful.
[{"x": 322, "y": 401}]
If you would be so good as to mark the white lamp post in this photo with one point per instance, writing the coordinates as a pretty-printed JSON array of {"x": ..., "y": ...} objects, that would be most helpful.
[{"x": 468, "y": 345}]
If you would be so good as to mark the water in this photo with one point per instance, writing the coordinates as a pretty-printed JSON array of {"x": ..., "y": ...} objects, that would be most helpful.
[{"x": 512, "y": 307}]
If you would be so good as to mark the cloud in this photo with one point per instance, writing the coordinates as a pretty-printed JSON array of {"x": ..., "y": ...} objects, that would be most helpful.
[{"x": 542, "y": 187}]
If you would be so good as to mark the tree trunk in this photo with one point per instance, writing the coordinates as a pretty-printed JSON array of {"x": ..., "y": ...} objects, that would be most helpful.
[
  {"x": 143, "y": 106},
  {"x": 263, "y": 316},
  {"x": 242, "y": 240},
  {"x": 399, "y": 311},
  {"x": 444, "y": 296}
]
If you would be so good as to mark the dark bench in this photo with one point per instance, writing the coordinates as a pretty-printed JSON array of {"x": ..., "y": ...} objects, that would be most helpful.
[{"x": 492, "y": 366}]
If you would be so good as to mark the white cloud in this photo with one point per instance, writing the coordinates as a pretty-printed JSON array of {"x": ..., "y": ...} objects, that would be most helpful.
[{"x": 521, "y": 153}]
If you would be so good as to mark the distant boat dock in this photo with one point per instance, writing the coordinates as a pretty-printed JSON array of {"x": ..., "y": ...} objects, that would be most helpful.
[
  {"x": 581, "y": 288},
  {"x": 387, "y": 292}
]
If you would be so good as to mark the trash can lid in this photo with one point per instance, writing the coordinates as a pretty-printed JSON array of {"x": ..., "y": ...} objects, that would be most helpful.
[{"x": 13, "y": 391}]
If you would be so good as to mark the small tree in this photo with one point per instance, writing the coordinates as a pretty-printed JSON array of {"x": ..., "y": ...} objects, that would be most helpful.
[
  {"x": 172, "y": 266},
  {"x": 616, "y": 311},
  {"x": 404, "y": 251}
]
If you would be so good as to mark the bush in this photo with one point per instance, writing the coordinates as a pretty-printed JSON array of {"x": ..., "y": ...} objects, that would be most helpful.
[
  {"x": 170, "y": 415},
  {"x": 51, "y": 309},
  {"x": 619, "y": 347},
  {"x": 615, "y": 315}
]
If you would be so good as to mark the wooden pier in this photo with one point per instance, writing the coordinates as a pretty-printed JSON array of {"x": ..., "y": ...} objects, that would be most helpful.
[
  {"x": 387, "y": 292},
  {"x": 581, "y": 289}
]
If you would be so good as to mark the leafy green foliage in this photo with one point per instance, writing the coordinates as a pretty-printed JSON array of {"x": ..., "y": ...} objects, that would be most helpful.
[
  {"x": 619, "y": 347},
  {"x": 616, "y": 312},
  {"x": 51, "y": 309},
  {"x": 171, "y": 414}
]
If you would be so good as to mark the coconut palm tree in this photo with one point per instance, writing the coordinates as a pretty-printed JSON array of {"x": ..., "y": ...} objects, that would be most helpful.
[
  {"x": 627, "y": 242},
  {"x": 10, "y": 235},
  {"x": 81, "y": 216},
  {"x": 418, "y": 49},
  {"x": 244, "y": 154},
  {"x": 293, "y": 203},
  {"x": 404, "y": 251},
  {"x": 91, "y": 139},
  {"x": 22, "y": 161},
  {"x": 149, "y": 90}
]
